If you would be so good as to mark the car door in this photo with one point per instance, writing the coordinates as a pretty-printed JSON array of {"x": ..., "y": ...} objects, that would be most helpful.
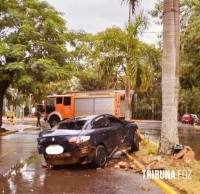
[
  {"x": 117, "y": 132},
  {"x": 102, "y": 132}
]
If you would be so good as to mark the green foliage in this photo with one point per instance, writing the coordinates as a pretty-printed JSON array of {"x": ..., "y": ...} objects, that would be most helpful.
[
  {"x": 189, "y": 101},
  {"x": 119, "y": 52},
  {"x": 34, "y": 44},
  {"x": 190, "y": 66},
  {"x": 33, "y": 50},
  {"x": 191, "y": 38},
  {"x": 150, "y": 147},
  {"x": 89, "y": 81},
  {"x": 34, "y": 58}
]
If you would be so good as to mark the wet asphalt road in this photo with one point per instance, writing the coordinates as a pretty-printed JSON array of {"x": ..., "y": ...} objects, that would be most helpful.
[{"x": 21, "y": 171}]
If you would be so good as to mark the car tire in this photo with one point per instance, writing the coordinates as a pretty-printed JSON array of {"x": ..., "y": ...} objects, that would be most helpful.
[
  {"x": 135, "y": 145},
  {"x": 53, "y": 121},
  {"x": 99, "y": 160}
]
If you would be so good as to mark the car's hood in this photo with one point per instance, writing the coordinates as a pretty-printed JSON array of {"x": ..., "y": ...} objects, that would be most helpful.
[{"x": 59, "y": 132}]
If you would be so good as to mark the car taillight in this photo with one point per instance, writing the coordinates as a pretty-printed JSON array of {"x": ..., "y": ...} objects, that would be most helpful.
[
  {"x": 72, "y": 140},
  {"x": 82, "y": 139},
  {"x": 77, "y": 140}
]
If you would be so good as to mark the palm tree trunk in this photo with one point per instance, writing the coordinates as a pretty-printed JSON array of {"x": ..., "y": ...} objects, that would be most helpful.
[{"x": 170, "y": 76}]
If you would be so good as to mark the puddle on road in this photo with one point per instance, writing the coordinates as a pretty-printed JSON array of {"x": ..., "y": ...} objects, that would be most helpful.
[
  {"x": 29, "y": 176},
  {"x": 20, "y": 172}
]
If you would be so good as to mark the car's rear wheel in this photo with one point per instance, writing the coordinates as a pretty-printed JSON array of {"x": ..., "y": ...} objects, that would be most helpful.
[{"x": 100, "y": 157}]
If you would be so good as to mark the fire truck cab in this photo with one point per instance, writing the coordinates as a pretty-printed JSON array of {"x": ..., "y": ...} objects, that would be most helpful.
[{"x": 60, "y": 107}]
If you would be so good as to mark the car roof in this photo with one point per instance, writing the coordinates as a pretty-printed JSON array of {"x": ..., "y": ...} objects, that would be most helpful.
[{"x": 87, "y": 118}]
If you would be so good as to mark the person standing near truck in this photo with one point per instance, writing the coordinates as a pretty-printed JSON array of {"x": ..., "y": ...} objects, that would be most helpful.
[
  {"x": 38, "y": 115},
  {"x": 39, "y": 110}
]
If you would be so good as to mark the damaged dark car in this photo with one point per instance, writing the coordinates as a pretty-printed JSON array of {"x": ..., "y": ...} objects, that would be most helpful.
[{"x": 90, "y": 139}]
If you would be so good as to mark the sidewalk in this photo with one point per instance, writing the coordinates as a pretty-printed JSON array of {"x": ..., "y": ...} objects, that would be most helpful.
[{"x": 15, "y": 126}]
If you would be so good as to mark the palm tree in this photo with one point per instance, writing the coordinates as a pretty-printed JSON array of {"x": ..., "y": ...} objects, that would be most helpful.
[
  {"x": 133, "y": 61},
  {"x": 132, "y": 4},
  {"x": 128, "y": 112},
  {"x": 120, "y": 52},
  {"x": 170, "y": 73},
  {"x": 170, "y": 76}
]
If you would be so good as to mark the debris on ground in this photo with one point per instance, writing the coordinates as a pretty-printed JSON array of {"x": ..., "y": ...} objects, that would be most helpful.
[
  {"x": 145, "y": 187},
  {"x": 132, "y": 166},
  {"x": 156, "y": 158},
  {"x": 123, "y": 164},
  {"x": 187, "y": 154},
  {"x": 187, "y": 182},
  {"x": 118, "y": 155},
  {"x": 47, "y": 166},
  {"x": 126, "y": 166}
]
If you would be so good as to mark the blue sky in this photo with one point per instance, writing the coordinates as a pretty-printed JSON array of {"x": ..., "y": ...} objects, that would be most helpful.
[{"x": 96, "y": 15}]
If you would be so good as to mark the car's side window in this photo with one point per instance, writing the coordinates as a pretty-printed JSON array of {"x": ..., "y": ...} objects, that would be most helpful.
[
  {"x": 114, "y": 121},
  {"x": 100, "y": 123}
]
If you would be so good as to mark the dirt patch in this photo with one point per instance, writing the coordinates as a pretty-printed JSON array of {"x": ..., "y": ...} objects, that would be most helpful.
[{"x": 187, "y": 174}]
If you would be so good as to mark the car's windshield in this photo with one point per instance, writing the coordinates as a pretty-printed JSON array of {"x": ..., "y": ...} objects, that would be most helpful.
[{"x": 72, "y": 125}]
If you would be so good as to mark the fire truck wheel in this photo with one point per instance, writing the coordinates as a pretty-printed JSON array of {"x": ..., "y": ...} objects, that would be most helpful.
[{"x": 53, "y": 121}]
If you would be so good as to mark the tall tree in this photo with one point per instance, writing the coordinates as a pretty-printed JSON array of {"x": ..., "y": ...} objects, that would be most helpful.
[
  {"x": 170, "y": 75},
  {"x": 32, "y": 46},
  {"x": 128, "y": 112},
  {"x": 115, "y": 62}
]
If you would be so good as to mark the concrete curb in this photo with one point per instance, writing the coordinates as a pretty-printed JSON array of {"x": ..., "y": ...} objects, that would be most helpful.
[
  {"x": 8, "y": 132},
  {"x": 15, "y": 131},
  {"x": 29, "y": 128},
  {"x": 197, "y": 127},
  {"x": 162, "y": 185}
]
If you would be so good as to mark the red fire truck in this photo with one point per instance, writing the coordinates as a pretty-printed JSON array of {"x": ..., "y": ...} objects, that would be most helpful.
[{"x": 60, "y": 107}]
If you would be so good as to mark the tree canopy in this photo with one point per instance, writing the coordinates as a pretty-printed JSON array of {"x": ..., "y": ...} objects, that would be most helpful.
[{"x": 32, "y": 46}]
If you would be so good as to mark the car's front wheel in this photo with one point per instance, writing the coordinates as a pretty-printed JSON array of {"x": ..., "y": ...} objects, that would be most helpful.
[
  {"x": 100, "y": 157},
  {"x": 134, "y": 144}
]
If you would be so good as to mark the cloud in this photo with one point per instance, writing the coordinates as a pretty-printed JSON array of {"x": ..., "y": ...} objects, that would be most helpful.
[{"x": 94, "y": 15}]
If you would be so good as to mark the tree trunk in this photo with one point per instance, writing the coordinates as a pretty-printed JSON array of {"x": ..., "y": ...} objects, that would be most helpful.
[
  {"x": 1, "y": 110},
  {"x": 128, "y": 112},
  {"x": 170, "y": 76},
  {"x": 4, "y": 87}
]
